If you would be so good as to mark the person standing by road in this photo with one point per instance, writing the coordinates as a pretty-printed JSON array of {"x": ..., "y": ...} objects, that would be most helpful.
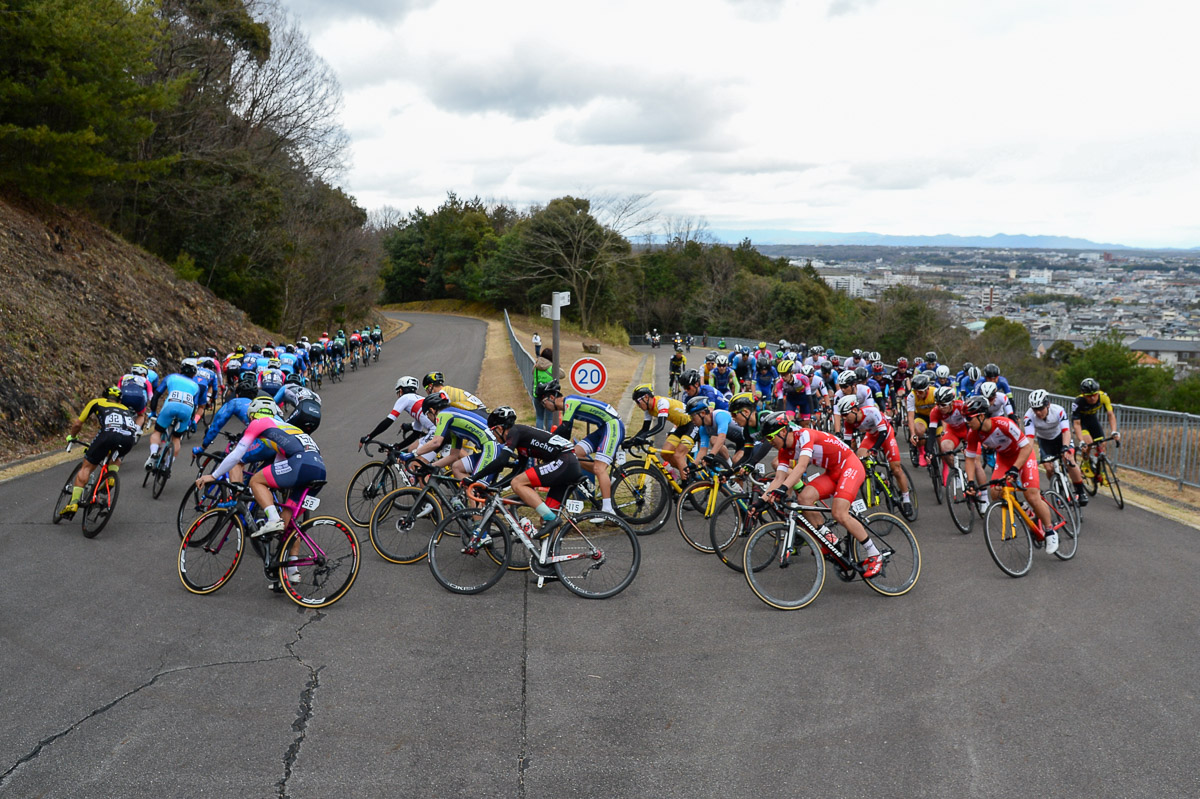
[
  {"x": 537, "y": 345},
  {"x": 543, "y": 372}
]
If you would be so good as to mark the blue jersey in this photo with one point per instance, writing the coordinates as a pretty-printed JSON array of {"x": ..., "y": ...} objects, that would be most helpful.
[
  {"x": 250, "y": 361},
  {"x": 238, "y": 407},
  {"x": 287, "y": 362},
  {"x": 207, "y": 380},
  {"x": 178, "y": 388},
  {"x": 722, "y": 424},
  {"x": 588, "y": 409},
  {"x": 765, "y": 381},
  {"x": 722, "y": 381},
  {"x": 1000, "y": 382},
  {"x": 714, "y": 397}
]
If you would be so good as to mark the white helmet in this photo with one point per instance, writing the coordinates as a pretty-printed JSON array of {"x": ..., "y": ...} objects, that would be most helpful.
[
  {"x": 806, "y": 370},
  {"x": 988, "y": 390},
  {"x": 1038, "y": 398},
  {"x": 263, "y": 406},
  {"x": 847, "y": 404},
  {"x": 943, "y": 371},
  {"x": 408, "y": 384}
]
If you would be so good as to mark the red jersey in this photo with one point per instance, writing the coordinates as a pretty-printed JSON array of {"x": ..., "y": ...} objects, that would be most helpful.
[
  {"x": 954, "y": 420},
  {"x": 1006, "y": 438},
  {"x": 825, "y": 450}
]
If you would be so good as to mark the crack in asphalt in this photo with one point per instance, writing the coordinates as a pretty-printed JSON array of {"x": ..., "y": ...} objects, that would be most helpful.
[{"x": 305, "y": 711}]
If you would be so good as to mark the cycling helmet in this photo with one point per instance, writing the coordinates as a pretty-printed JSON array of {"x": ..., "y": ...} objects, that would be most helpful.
[
  {"x": 829, "y": 352},
  {"x": 975, "y": 406},
  {"x": 407, "y": 385},
  {"x": 931, "y": 356},
  {"x": 846, "y": 378},
  {"x": 263, "y": 406},
  {"x": 239, "y": 350},
  {"x": 433, "y": 379},
  {"x": 113, "y": 393},
  {"x": 188, "y": 370},
  {"x": 943, "y": 371},
  {"x": 835, "y": 360},
  {"x": 549, "y": 389},
  {"x": 846, "y": 404},
  {"x": 991, "y": 371},
  {"x": 194, "y": 354},
  {"x": 274, "y": 363},
  {"x": 930, "y": 374},
  {"x": 690, "y": 378},
  {"x": 967, "y": 366},
  {"x": 697, "y": 404},
  {"x": 806, "y": 370},
  {"x": 269, "y": 352},
  {"x": 325, "y": 334},
  {"x": 139, "y": 370},
  {"x": 307, "y": 416},
  {"x": 436, "y": 402},
  {"x": 304, "y": 339},
  {"x": 988, "y": 390},
  {"x": 503, "y": 417},
  {"x": 944, "y": 395},
  {"x": 678, "y": 348},
  {"x": 762, "y": 345},
  {"x": 1039, "y": 398},
  {"x": 742, "y": 402},
  {"x": 644, "y": 390},
  {"x": 917, "y": 361},
  {"x": 152, "y": 363},
  {"x": 1089, "y": 385},
  {"x": 712, "y": 356},
  {"x": 290, "y": 348},
  {"x": 825, "y": 365},
  {"x": 877, "y": 367},
  {"x": 722, "y": 360},
  {"x": 247, "y": 386},
  {"x": 920, "y": 382},
  {"x": 902, "y": 362},
  {"x": 764, "y": 365},
  {"x": 341, "y": 333},
  {"x": 785, "y": 367},
  {"x": 269, "y": 343},
  {"x": 856, "y": 352},
  {"x": 211, "y": 352},
  {"x": 783, "y": 342},
  {"x": 861, "y": 374},
  {"x": 294, "y": 379},
  {"x": 973, "y": 374},
  {"x": 874, "y": 356},
  {"x": 772, "y": 424},
  {"x": 815, "y": 350}
]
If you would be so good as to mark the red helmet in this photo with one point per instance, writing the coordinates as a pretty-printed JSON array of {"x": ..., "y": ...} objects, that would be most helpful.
[{"x": 902, "y": 363}]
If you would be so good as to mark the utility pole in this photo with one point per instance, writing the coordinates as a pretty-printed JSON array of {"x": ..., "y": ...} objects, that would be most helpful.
[{"x": 558, "y": 301}]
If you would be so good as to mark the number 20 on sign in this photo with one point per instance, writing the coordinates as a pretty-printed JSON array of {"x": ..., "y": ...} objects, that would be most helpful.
[{"x": 588, "y": 375}]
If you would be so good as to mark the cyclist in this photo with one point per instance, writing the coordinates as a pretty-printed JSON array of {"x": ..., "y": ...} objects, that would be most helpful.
[
  {"x": 948, "y": 420},
  {"x": 406, "y": 398},
  {"x": 710, "y": 363},
  {"x": 377, "y": 340},
  {"x": 899, "y": 380},
  {"x": 661, "y": 411},
  {"x": 920, "y": 403},
  {"x": 1085, "y": 412},
  {"x": 692, "y": 387},
  {"x": 271, "y": 377},
  {"x": 931, "y": 361},
  {"x": 304, "y": 404},
  {"x": 297, "y": 463},
  {"x": 843, "y": 476},
  {"x": 435, "y": 382},
  {"x": 998, "y": 404},
  {"x": 1049, "y": 423},
  {"x": 463, "y": 430},
  {"x": 765, "y": 377},
  {"x": 316, "y": 357},
  {"x": 180, "y": 391},
  {"x": 289, "y": 360},
  {"x": 251, "y": 359},
  {"x": 991, "y": 374},
  {"x": 716, "y": 429},
  {"x": 722, "y": 378},
  {"x": 601, "y": 443},
  {"x": 794, "y": 388},
  {"x": 337, "y": 351},
  {"x": 355, "y": 343},
  {"x": 245, "y": 391},
  {"x": 676, "y": 366},
  {"x": 209, "y": 381},
  {"x": 877, "y": 433},
  {"x": 970, "y": 378},
  {"x": 942, "y": 377},
  {"x": 119, "y": 431},
  {"x": 136, "y": 390},
  {"x": 1014, "y": 457}
]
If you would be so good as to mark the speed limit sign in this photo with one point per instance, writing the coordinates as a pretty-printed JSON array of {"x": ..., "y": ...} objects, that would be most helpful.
[{"x": 588, "y": 375}]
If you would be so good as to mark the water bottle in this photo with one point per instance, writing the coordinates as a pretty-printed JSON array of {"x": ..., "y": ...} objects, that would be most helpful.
[
  {"x": 456, "y": 502},
  {"x": 1026, "y": 507},
  {"x": 527, "y": 527},
  {"x": 825, "y": 535}
]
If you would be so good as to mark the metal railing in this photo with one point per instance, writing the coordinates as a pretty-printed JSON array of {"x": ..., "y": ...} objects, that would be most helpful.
[{"x": 521, "y": 357}]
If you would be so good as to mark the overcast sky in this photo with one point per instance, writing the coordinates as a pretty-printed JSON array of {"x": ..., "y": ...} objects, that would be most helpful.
[{"x": 1063, "y": 117}]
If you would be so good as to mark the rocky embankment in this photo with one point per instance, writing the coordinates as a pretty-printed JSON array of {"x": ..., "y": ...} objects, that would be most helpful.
[{"x": 78, "y": 306}]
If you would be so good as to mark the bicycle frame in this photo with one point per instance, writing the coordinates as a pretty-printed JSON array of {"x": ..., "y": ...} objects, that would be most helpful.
[
  {"x": 497, "y": 504},
  {"x": 839, "y": 554}
]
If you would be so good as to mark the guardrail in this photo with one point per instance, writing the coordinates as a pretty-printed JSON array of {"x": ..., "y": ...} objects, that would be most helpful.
[{"x": 521, "y": 357}]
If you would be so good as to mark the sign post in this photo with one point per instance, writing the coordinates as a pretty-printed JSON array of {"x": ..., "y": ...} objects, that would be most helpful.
[
  {"x": 588, "y": 376},
  {"x": 558, "y": 301}
]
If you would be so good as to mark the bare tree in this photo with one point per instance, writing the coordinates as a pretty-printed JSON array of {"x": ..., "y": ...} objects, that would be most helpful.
[{"x": 679, "y": 230}]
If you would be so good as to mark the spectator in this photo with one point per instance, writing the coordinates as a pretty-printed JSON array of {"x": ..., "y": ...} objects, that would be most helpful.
[
  {"x": 543, "y": 372},
  {"x": 537, "y": 345}
]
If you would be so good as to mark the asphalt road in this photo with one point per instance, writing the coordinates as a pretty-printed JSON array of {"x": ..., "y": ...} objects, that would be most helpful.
[{"x": 1077, "y": 680}]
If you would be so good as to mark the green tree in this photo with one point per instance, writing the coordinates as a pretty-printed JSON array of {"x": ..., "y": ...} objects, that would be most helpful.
[
  {"x": 1185, "y": 396},
  {"x": 1117, "y": 370}
]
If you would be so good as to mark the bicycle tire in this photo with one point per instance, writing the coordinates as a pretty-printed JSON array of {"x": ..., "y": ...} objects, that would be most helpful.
[
  {"x": 1009, "y": 541},
  {"x": 959, "y": 504},
  {"x": 730, "y": 529},
  {"x": 403, "y": 522},
  {"x": 1061, "y": 518},
  {"x": 369, "y": 484},
  {"x": 161, "y": 471},
  {"x": 1091, "y": 481},
  {"x": 912, "y": 514},
  {"x": 641, "y": 498},
  {"x": 1114, "y": 485},
  {"x": 64, "y": 496},
  {"x": 194, "y": 504},
  {"x": 102, "y": 501},
  {"x": 935, "y": 476},
  {"x": 606, "y": 556},
  {"x": 210, "y": 551},
  {"x": 327, "y": 575},
  {"x": 784, "y": 585},
  {"x": 902, "y": 555},
  {"x": 461, "y": 572},
  {"x": 692, "y": 514}
]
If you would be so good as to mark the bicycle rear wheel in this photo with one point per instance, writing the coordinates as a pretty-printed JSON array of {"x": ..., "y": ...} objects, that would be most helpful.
[
  {"x": 64, "y": 496},
  {"x": 729, "y": 530},
  {"x": 326, "y": 569},
  {"x": 793, "y": 578},
  {"x": 1009, "y": 541},
  {"x": 694, "y": 511},
  {"x": 901, "y": 555},
  {"x": 641, "y": 498},
  {"x": 368, "y": 485},
  {"x": 1062, "y": 522},
  {"x": 959, "y": 504},
  {"x": 210, "y": 551},
  {"x": 102, "y": 500},
  {"x": 403, "y": 522},
  {"x": 935, "y": 476},
  {"x": 911, "y": 514},
  {"x": 604, "y": 555},
  {"x": 162, "y": 471},
  {"x": 1109, "y": 473},
  {"x": 1091, "y": 480},
  {"x": 460, "y": 570}
]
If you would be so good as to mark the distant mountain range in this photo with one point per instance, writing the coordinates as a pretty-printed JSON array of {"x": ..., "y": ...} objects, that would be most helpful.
[{"x": 998, "y": 241}]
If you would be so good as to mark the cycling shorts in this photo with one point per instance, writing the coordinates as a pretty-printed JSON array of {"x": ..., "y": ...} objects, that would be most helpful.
[
  {"x": 798, "y": 404},
  {"x": 948, "y": 435},
  {"x": 1050, "y": 447},
  {"x": 684, "y": 433},
  {"x": 890, "y": 450},
  {"x": 109, "y": 441},
  {"x": 174, "y": 413},
  {"x": 602, "y": 442},
  {"x": 1091, "y": 425},
  {"x": 297, "y": 471},
  {"x": 843, "y": 484},
  {"x": 133, "y": 398},
  {"x": 557, "y": 476},
  {"x": 1029, "y": 472}
]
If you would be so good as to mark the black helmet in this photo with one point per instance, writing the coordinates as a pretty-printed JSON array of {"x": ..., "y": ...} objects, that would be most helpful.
[
  {"x": 1089, "y": 385},
  {"x": 433, "y": 379},
  {"x": 920, "y": 382},
  {"x": 307, "y": 416},
  {"x": 944, "y": 395},
  {"x": 976, "y": 405},
  {"x": 968, "y": 366},
  {"x": 436, "y": 402},
  {"x": 771, "y": 424},
  {"x": 697, "y": 404},
  {"x": 247, "y": 386},
  {"x": 689, "y": 378},
  {"x": 861, "y": 374},
  {"x": 991, "y": 370},
  {"x": 188, "y": 370},
  {"x": 931, "y": 356},
  {"x": 644, "y": 390},
  {"x": 295, "y": 379},
  {"x": 290, "y": 348},
  {"x": 550, "y": 389},
  {"x": 194, "y": 354},
  {"x": 211, "y": 352},
  {"x": 503, "y": 416}
]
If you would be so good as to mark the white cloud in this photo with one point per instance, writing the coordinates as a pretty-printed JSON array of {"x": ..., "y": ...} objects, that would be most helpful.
[{"x": 922, "y": 116}]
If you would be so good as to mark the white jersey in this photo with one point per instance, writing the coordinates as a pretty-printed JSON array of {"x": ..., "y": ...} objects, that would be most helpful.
[
  {"x": 1053, "y": 426},
  {"x": 863, "y": 393},
  {"x": 404, "y": 404}
]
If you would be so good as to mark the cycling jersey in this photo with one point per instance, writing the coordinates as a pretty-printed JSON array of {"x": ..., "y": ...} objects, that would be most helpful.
[
  {"x": 922, "y": 403},
  {"x": 722, "y": 424},
  {"x": 1052, "y": 427},
  {"x": 677, "y": 363},
  {"x": 297, "y": 458},
  {"x": 674, "y": 411},
  {"x": 602, "y": 442},
  {"x": 954, "y": 420},
  {"x": 844, "y": 472},
  {"x": 1081, "y": 407},
  {"x": 271, "y": 380},
  {"x": 180, "y": 394},
  {"x": 714, "y": 397},
  {"x": 135, "y": 392},
  {"x": 207, "y": 380},
  {"x": 861, "y": 392},
  {"x": 463, "y": 400},
  {"x": 1005, "y": 439},
  {"x": 466, "y": 427},
  {"x": 723, "y": 379},
  {"x": 238, "y": 406},
  {"x": 876, "y": 432},
  {"x": 292, "y": 394}
]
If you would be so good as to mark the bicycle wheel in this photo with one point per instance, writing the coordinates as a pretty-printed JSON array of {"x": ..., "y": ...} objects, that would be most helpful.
[
  {"x": 1062, "y": 522},
  {"x": 468, "y": 572},
  {"x": 935, "y": 476},
  {"x": 641, "y": 498},
  {"x": 1091, "y": 480},
  {"x": 793, "y": 578},
  {"x": 901, "y": 555},
  {"x": 64, "y": 496},
  {"x": 210, "y": 551},
  {"x": 693, "y": 511},
  {"x": 1008, "y": 539},
  {"x": 1109, "y": 474},
  {"x": 730, "y": 528},
  {"x": 403, "y": 522},
  {"x": 959, "y": 504},
  {"x": 367, "y": 487},
  {"x": 102, "y": 500},
  {"x": 601, "y": 554},
  {"x": 162, "y": 472},
  {"x": 911, "y": 514},
  {"x": 324, "y": 569},
  {"x": 196, "y": 502}
]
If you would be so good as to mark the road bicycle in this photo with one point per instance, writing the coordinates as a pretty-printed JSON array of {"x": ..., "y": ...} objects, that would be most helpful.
[
  {"x": 881, "y": 486},
  {"x": 197, "y": 501},
  {"x": 961, "y": 494},
  {"x": 159, "y": 470},
  {"x": 734, "y": 520},
  {"x": 315, "y": 562},
  {"x": 373, "y": 480},
  {"x": 1060, "y": 485},
  {"x": 784, "y": 561},
  {"x": 643, "y": 492},
  {"x": 699, "y": 501},
  {"x": 1098, "y": 470},
  {"x": 674, "y": 388},
  {"x": 1012, "y": 531},
  {"x": 99, "y": 498},
  {"x": 405, "y": 519},
  {"x": 594, "y": 554}
]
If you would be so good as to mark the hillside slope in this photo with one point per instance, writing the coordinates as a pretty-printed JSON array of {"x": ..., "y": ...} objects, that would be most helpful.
[{"x": 78, "y": 306}]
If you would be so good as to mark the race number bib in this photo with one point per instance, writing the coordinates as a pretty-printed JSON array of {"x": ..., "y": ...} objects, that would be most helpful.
[
  {"x": 558, "y": 442},
  {"x": 574, "y": 506},
  {"x": 311, "y": 503},
  {"x": 181, "y": 397},
  {"x": 620, "y": 459},
  {"x": 858, "y": 506}
]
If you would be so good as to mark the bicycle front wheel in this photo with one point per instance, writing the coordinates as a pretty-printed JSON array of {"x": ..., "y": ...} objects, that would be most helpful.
[
  {"x": 641, "y": 498},
  {"x": 403, "y": 522},
  {"x": 600, "y": 554},
  {"x": 162, "y": 471},
  {"x": 729, "y": 530},
  {"x": 901, "y": 555},
  {"x": 1114, "y": 485},
  {"x": 323, "y": 559},
  {"x": 367, "y": 487},
  {"x": 1091, "y": 480},
  {"x": 959, "y": 504},
  {"x": 196, "y": 502},
  {"x": 210, "y": 551},
  {"x": 935, "y": 476},
  {"x": 102, "y": 500},
  {"x": 1062, "y": 522},
  {"x": 1008, "y": 539},
  {"x": 694, "y": 511},
  {"x": 64, "y": 496},
  {"x": 463, "y": 569},
  {"x": 793, "y": 576}
]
